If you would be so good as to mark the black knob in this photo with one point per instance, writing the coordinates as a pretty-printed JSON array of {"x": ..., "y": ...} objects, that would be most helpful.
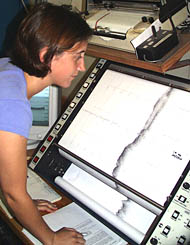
[
  {"x": 153, "y": 241},
  {"x": 144, "y": 19},
  {"x": 151, "y": 20},
  {"x": 186, "y": 185}
]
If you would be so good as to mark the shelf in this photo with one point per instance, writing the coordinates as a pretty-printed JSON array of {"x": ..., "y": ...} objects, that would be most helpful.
[{"x": 165, "y": 64}]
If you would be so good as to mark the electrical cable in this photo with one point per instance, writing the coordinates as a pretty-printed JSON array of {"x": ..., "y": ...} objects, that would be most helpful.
[{"x": 24, "y": 5}]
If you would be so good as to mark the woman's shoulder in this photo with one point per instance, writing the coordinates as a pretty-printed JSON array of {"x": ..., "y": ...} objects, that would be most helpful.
[
  {"x": 12, "y": 81},
  {"x": 7, "y": 66}
]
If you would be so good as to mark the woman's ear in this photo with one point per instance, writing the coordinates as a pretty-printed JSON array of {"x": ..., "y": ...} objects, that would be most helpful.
[{"x": 43, "y": 51}]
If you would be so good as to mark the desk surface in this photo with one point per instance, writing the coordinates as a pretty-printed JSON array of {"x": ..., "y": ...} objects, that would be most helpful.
[{"x": 127, "y": 58}]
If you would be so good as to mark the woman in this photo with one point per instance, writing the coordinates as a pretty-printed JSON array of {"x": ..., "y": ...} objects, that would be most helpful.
[{"x": 49, "y": 49}]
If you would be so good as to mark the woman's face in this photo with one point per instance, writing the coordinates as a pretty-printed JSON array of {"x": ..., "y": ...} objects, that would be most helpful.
[{"x": 65, "y": 67}]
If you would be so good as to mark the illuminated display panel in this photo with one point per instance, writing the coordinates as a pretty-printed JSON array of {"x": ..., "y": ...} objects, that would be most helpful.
[{"x": 135, "y": 130}]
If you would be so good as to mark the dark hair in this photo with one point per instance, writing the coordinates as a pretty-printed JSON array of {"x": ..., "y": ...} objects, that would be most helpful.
[{"x": 51, "y": 26}]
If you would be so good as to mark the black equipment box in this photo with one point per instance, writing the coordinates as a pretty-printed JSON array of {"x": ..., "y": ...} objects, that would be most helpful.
[{"x": 155, "y": 47}]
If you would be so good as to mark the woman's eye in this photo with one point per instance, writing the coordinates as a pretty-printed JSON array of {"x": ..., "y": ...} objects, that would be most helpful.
[{"x": 79, "y": 57}]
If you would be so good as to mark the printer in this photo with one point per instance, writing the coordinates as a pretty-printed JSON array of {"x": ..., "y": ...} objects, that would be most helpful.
[
  {"x": 117, "y": 22},
  {"x": 120, "y": 150}
]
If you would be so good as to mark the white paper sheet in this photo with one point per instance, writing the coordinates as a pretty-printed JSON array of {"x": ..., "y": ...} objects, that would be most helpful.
[
  {"x": 75, "y": 217},
  {"x": 103, "y": 212},
  {"x": 39, "y": 189},
  {"x": 107, "y": 198},
  {"x": 118, "y": 21}
]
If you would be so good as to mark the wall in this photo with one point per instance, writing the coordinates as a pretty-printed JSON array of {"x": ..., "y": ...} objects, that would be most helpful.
[
  {"x": 9, "y": 10},
  {"x": 78, "y": 4}
]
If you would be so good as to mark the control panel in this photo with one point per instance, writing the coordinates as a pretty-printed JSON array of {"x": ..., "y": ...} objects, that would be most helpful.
[
  {"x": 174, "y": 226},
  {"x": 51, "y": 163}
]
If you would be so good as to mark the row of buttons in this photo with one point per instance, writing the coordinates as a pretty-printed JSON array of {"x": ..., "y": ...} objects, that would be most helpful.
[
  {"x": 42, "y": 149},
  {"x": 181, "y": 240},
  {"x": 66, "y": 114}
]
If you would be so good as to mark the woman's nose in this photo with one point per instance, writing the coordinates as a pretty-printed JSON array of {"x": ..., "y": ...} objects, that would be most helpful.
[{"x": 81, "y": 66}]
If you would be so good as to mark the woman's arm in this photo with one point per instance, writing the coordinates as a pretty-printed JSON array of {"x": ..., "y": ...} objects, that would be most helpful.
[{"x": 13, "y": 177}]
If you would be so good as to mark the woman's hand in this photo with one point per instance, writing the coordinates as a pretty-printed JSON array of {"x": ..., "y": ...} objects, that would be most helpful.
[
  {"x": 44, "y": 205},
  {"x": 64, "y": 236},
  {"x": 68, "y": 236}
]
